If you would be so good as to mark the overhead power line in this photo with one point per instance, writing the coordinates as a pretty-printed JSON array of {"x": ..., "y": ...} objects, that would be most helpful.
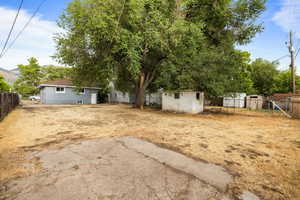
[
  {"x": 280, "y": 58},
  {"x": 25, "y": 26},
  {"x": 297, "y": 53},
  {"x": 12, "y": 28}
]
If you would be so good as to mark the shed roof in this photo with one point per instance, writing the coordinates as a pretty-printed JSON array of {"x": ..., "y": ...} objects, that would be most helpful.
[{"x": 283, "y": 96}]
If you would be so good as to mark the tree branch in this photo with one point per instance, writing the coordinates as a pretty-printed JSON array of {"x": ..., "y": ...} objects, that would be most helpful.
[
  {"x": 150, "y": 76},
  {"x": 119, "y": 19}
]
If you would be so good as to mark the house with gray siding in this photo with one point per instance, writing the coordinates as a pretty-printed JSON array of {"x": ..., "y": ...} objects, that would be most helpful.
[{"x": 64, "y": 92}]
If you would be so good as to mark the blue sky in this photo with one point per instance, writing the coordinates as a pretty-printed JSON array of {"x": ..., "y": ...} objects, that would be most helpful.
[
  {"x": 50, "y": 11},
  {"x": 279, "y": 18}
]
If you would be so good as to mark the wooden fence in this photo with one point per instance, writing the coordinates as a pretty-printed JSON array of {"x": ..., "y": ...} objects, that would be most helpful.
[
  {"x": 8, "y": 101},
  {"x": 295, "y": 107}
]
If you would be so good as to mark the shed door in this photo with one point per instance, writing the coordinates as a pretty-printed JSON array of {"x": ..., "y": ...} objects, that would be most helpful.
[{"x": 94, "y": 99}]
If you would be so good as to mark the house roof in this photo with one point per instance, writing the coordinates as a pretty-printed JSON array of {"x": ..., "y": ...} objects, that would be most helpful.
[
  {"x": 64, "y": 83},
  {"x": 59, "y": 82},
  {"x": 180, "y": 91}
]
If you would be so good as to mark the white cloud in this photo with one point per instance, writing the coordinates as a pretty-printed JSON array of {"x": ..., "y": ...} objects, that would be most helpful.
[
  {"x": 288, "y": 17},
  {"x": 36, "y": 40}
]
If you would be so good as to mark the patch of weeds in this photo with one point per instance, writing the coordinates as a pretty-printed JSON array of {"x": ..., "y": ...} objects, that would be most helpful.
[
  {"x": 204, "y": 145},
  {"x": 297, "y": 144}
]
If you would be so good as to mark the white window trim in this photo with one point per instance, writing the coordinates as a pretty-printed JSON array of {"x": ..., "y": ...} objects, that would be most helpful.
[{"x": 60, "y": 92}]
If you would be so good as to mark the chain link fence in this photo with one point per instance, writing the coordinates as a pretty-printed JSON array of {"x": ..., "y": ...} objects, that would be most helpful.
[{"x": 289, "y": 107}]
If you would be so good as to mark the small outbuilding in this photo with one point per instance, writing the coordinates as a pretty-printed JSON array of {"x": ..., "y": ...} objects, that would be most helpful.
[
  {"x": 254, "y": 102},
  {"x": 236, "y": 100},
  {"x": 64, "y": 92},
  {"x": 183, "y": 101}
]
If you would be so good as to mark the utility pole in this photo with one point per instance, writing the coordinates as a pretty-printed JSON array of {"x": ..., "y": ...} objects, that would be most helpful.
[{"x": 292, "y": 66}]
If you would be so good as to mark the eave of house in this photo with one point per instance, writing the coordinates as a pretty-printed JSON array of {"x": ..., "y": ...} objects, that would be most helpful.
[{"x": 67, "y": 86}]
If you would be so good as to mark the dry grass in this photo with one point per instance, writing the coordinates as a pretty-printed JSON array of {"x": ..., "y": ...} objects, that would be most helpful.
[{"x": 259, "y": 150}]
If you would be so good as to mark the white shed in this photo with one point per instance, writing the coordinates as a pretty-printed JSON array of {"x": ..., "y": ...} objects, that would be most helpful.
[
  {"x": 183, "y": 101},
  {"x": 236, "y": 100},
  {"x": 254, "y": 102}
]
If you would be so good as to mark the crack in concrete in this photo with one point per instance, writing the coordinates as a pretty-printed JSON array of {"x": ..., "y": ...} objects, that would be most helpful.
[{"x": 171, "y": 167}]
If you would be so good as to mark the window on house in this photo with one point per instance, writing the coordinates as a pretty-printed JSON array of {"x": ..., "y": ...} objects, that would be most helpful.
[
  {"x": 197, "y": 95},
  {"x": 80, "y": 102},
  {"x": 176, "y": 95},
  {"x": 82, "y": 91},
  {"x": 60, "y": 90}
]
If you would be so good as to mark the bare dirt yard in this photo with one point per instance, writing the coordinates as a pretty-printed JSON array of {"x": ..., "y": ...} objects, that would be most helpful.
[{"x": 262, "y": 152}]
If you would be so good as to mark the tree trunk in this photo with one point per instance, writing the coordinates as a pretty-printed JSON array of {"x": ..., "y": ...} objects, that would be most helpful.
[{"x": 140, "y": 92}]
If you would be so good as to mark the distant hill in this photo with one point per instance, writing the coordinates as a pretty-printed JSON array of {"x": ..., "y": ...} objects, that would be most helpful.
[
  {"x": 10, "y": 76},
  {"x": 16, "y": 71}
]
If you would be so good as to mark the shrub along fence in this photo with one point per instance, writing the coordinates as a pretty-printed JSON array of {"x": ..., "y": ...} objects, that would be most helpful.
[{"x": 8, "y": 101}]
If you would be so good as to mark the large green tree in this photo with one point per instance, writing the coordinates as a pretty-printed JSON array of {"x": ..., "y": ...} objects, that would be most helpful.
[
  {"x": 30, "y": 78},
  {"x": 150, "y": 44},
  {"x": 264, "y": 76},
  {"x": 130, "y": 41},
  {"x": 4, "y": 87},
  {"x": 32, "y": 75},
  {"x": 283, "y": 82}
]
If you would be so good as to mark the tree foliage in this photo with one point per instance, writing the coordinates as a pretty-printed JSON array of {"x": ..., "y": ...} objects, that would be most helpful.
[
  {"x": 4, "y": 87},
  {"x": 52, "y": 72},
  {"x": 283, "y": 82},
  {"x": 214, "y": 71},
  {"x": 32, "y": 75},
  {"x": 30, "y": 78},
  {"x": 268, "y": 79},
  {"x": 227, "y": 21},
  {"x": 263, "y": 74}
]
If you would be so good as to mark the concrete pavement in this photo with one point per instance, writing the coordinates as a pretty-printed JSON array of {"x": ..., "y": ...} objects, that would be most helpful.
[{"x": 125, "y": 168}]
